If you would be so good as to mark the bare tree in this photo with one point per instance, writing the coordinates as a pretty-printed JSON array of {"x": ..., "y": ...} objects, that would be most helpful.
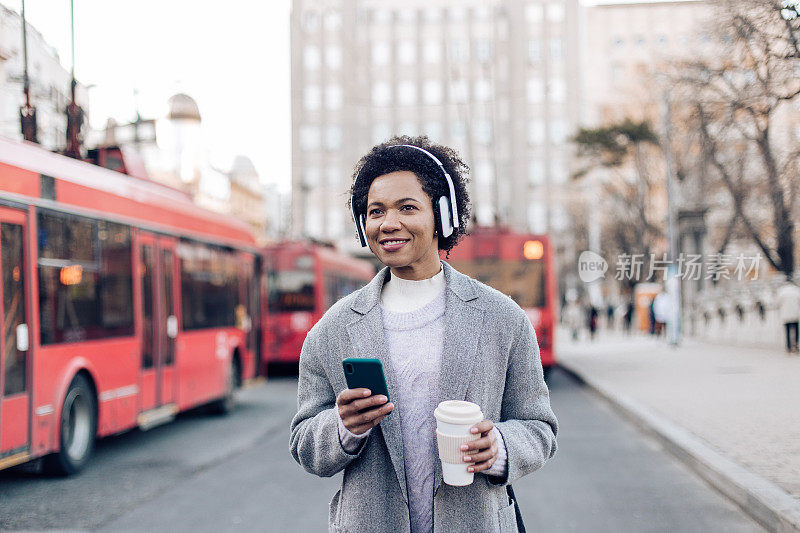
[
  {"x": 630, "y": 151},
  {"x": 737, "y": 103}
]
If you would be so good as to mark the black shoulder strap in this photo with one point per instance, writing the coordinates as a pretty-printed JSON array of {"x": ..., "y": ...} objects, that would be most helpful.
[{"x": 520, "y": 523}]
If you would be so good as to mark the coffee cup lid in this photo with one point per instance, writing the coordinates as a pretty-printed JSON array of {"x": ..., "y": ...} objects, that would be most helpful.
[{"x": 458, "y": 412}]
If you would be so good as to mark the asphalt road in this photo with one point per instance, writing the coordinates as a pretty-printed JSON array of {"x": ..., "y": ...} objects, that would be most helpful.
[{"x": 206, "y": 473}]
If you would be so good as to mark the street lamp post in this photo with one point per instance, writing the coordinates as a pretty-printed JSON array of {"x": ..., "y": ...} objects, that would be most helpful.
[{"x": 673, "y": 276}]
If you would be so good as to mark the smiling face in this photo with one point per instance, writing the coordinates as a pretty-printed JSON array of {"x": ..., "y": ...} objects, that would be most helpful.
[{"x": 400, "y": 226}]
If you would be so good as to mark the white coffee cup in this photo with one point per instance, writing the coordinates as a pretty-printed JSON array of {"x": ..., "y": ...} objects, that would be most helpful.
[{"x": 454, "y": 418}]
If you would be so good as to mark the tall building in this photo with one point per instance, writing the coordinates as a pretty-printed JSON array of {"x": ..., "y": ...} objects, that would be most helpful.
[
  {"x": 49, "y": 83},
  {"x": 498, "y": 80}
]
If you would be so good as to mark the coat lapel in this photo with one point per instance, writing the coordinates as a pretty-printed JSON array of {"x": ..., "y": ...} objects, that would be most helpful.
[
  {"x": 367, "y": 339},
  {"x": 463, "y": 323}
]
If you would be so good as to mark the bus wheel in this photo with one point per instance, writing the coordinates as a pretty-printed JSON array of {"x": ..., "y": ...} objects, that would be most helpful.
[
  {"x": 78, "y": 429},
  {"x": 547, "y": 370},
  {"x": 224, "y": 405}
]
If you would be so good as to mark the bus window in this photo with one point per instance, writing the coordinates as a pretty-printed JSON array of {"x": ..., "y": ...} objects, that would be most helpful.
[
  {"x": 85, "y": 278},
  {"x": 291, "y": 290},
  {"x": 209, "y": 286}
]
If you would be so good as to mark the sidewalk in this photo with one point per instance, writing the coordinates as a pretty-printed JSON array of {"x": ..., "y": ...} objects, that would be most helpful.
[{"x": 733, "y": 414}]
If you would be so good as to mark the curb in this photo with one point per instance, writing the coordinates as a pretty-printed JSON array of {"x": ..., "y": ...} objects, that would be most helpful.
[{"x": 762, "y": 500}]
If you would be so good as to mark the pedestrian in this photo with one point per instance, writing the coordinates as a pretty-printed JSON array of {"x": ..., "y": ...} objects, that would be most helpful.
[
  {"x": 441, "y": 335},
  {"x": 789, "y": 311},
  {"x": 662, "y": 309},
  {"x": 628, "y": 318},
  {"x": 572, "y": 319},
  {"x": 592, "y": 320}
]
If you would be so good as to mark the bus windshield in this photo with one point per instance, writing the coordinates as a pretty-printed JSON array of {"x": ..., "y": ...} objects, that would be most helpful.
[
  {"x": 522, "y": 280},
  {"x": 291, "y": 290}
]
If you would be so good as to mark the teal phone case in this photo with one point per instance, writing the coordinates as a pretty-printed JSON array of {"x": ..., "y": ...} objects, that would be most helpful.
[{"x": 366, "y": 373}]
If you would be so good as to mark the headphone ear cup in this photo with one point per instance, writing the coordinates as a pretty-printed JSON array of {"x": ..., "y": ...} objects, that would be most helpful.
[{"x": 445, "y": 216}]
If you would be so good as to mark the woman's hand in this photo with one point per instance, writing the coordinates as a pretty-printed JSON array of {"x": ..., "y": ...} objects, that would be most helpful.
[
  {"x": 482, "y": 451},
  {"x": 360, "y": 410}
]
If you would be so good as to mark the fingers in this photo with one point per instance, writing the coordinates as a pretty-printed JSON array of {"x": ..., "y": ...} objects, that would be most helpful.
[
  {"x": 484, "y": 427},
  {"x": 348, "y": 395},
  {"x": 362, "y": 404},
  {"x": 360, "y": 421},
  {"x": 483, "y": 459},
  {"x": 478, "y": 445},
  {"x": 484, "y": 465}
]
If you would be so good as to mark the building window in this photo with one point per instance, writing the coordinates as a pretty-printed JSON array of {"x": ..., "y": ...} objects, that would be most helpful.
[
  {"x": 382, "y": 16},
  {"x": 556, "y": 48},
  {"x": 558, "y": 90},
  {"x": 536, "y": 132},
  {"x": 432, "y": 52},
  {"x": 457, "y": 14},
  {"x": 310, "y": 21},
  {"x": 483, "y": 13},
  {"x": 407, "y": 128},
  {"x": 433, "y": 129},
  {"x": 407, "y": 52},
  {"x": 483, "y": 90},
  {"x": 558, "y": 131},
  {"x": 311, "y": 58},
  {"x": 559, "y": 173},
  {"x": 458, "y": 131},
  {"x": 309, "y": 138},
  {"x": 484, "y": 172},
  {"x": 432, "y": 14},
  {"x": 333, "y": 138},
  {"x": 458, "y": 51},
  {"x": 536, "y": 172},
  {"x": 335, "y": 223},
  {"x": 559, "y": 218},
  {"x": 381, "y": 132},
  {"x": 407, "y": 15},
  {"x": 639, "y": 41},
  {"x": 381, "y": 53},
  {"x": 311, "y": 177},
  {"x": 534, "y": 51},
  {"x": 312, "y": 98},
  {"x": 459, "y": 91},
  {"x": 432, "y": 92},
  {"x": 407, "y": 93},
  {"x": 483, "y": 131},
  {"x": 619, "y": 42},
  {"x": 534, "y": 90},
  {"x": 485, "y": 213},
  {"x": 333, "y": 57},
  {"x": 333, "y": 176},
  {"x": 533, "y": 12},
  {"x": 555, "y": 12},
  {"x": 483, "y": 50},
  {"x": 333, "y": 21},
  {"x": 333, "y": 97},
  {"x": 381, "y": 94},
  {"x": 537, "y": 216}
]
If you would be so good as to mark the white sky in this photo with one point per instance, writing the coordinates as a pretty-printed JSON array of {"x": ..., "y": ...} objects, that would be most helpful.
[{"x": 231, "y": 57}]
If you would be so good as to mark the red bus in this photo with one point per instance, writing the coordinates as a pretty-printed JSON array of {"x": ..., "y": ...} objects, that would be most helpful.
[
  {"x": 302, "y": 281},
  {"x": 520, "y": 266},
  {"x": 121, "y": 304}
]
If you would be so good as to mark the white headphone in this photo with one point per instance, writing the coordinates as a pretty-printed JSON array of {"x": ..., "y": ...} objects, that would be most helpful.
[{"x": 448, "y": 208}]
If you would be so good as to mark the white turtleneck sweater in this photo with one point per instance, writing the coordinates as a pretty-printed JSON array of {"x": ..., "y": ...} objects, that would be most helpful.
[{"x": 413, "y": 317}]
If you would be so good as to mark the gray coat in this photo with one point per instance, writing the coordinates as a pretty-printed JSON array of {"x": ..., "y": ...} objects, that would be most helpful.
[{"x": 490, "y": 357}]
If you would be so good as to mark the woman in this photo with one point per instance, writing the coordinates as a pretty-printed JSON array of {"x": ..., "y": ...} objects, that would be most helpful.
[{"x": 441, "y": 336}]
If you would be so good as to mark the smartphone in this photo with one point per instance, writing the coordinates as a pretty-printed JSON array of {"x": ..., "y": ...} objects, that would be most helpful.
[{"x": 366, "y": 373}]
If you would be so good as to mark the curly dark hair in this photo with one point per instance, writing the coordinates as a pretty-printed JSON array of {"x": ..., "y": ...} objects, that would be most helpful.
[{"x": 381, "y": 159}]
